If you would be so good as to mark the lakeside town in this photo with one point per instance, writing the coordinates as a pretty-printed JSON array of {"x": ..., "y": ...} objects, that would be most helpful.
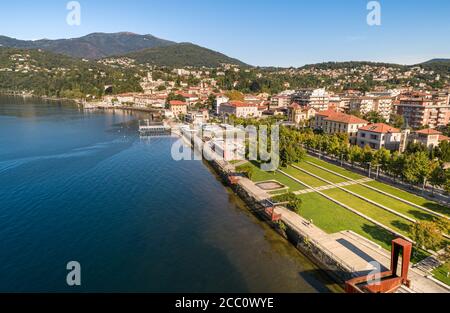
[
  {"x": 364, "y": 148},
  {"x": 370, "y": 141}
]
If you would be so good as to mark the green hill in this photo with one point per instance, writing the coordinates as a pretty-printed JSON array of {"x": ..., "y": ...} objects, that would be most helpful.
[
  {"x": 47, "y": 74},
  {"x": 183, "y": 54}
]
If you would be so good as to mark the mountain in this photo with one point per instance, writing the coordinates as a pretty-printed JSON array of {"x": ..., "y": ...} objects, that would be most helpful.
[
  {"x": 183, "y": 54},
  {"x": 45, "y": 73},
  {"x": 92, "y": 46},
  {"x": 437, "y": 61},
  {"x": 440, "y": 66}
]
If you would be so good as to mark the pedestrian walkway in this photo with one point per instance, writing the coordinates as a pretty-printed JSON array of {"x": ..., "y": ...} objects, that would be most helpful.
[
  {"x": 333, "y": 186},
  {"x": 351, "y": 250},
  {"x": 428, "y": 265},
  {"x": 357, "y": 253}
]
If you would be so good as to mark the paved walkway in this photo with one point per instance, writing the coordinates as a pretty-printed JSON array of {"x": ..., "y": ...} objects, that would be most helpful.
[
  {"x": 357, "y": 253},
  {"x": 353, "y": 251},
  {"x": 383, "y": 192},
  {"x": 333, "y": 186}
]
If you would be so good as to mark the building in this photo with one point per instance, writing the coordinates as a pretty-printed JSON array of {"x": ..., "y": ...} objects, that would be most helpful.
[
  {"x": 366, "y": 104},
  {"x": 220, "y": 99},
  {"x": 200, "y": 117},
  {"x": 280, "y": 101},
  {"x": 178, "y": 107},
  {"x": 317, "y": 99},
  {"x": 332, "y": 122},
  {"x": 300, "y": 115},
  {"x": 424, "y": 109},
  {"x": 239, "y": 109},
  {"x": 428, "y": 137},
  {"x": 378, "y": 136}
]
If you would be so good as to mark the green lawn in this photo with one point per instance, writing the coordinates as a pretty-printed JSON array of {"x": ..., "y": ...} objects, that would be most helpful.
[
  {"x": 411, "y": 197},
  {"x": 441, "y": 273},
  {"x": 384, "y": 217},
  {"x": 334, "y": 168},
  {"x": 260, "y": 176},
  {"x": 303, "y": 177},
  {"x": 391, "y": 203},
  {"x": 322, "y": 173},
  {"x": 333, "y": 218}
]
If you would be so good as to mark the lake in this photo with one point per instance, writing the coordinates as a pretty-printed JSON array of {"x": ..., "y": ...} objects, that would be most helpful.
[{"x": 83, "y": 186}]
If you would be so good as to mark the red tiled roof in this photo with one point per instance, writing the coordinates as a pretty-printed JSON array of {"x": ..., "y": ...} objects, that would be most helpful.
[
  {"x": 239, "y": 104},
  {"x": 444, "y": 138},
  {"x": 380, "y": 128},
  {"x": 177, "y": 103},
  {"x": 429, "y": 131},
  {"x": 333, "y": 116},
  {"x": 327, "y": 113}
]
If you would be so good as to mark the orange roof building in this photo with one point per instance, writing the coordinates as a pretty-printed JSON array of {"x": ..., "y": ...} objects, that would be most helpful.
[
  {"x": 332, "y": 122},
  {"x": 380, "y": 135}
]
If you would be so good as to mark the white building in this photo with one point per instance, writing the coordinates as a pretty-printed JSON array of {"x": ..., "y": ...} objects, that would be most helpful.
[
  {"x": 378, "y": 136},
  {"x": 239, "y": 109},
  {"x": 221, "y": 99}
]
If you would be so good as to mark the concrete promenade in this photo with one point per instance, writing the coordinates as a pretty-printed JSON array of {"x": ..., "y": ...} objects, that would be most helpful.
[
  {"x": 333, "y": 186},
  {"x": 351, "y": 250}
]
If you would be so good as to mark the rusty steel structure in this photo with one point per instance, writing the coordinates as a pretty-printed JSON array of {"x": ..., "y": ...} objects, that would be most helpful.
[
  {"x": 275, "y": 217},
  {"x": 389, "y": 281}
]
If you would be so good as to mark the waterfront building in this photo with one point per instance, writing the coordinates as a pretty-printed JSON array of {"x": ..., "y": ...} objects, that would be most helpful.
[
  {"x": 239, "y": 109},
  {"x": 178, "y": 107},
  {"x": 197, "y": 117}
]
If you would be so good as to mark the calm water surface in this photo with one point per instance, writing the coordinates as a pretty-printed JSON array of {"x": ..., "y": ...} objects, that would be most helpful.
[{"x": 83, "y": 186}]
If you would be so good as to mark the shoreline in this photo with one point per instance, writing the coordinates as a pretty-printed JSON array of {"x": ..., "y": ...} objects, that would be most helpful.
[
  {"x": 223, "y": 170},
  {"x": 29, "y": 95},
  {"x": 318, "y": 246}
]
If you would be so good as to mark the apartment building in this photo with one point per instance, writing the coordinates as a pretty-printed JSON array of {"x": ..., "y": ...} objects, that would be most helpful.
[
  {"x": 378, "y": 136},
  {"x": 317, "y": 99},
  {"x": 280, "y": 101},
  {"x": 424, "y": 109},
  {"x": 366, "y": 104}
]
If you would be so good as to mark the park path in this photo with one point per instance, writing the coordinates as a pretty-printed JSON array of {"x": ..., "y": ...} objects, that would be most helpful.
[
  {"x": 353, "y": 251},
  {"x": 328, "y": 187},
  {"x": 382, "y": 192}
]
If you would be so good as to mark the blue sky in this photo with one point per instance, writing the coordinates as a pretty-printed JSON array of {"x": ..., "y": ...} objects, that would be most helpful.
[{"x": 259, "y": 32}]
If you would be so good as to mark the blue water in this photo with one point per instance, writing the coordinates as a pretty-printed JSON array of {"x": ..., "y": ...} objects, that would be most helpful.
[{"x": 78, "y": 186}]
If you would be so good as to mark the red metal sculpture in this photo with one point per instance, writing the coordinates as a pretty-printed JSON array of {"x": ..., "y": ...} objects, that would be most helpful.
[
  {"x": 386, "y": 282},
  {"x": 273, "y": 215}
]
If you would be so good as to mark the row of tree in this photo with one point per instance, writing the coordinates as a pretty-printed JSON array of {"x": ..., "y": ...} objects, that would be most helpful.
[{"x": 418, "y": 165}]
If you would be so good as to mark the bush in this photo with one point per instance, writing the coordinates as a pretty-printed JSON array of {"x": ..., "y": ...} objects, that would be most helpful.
[{"x": 293, "y": 202}]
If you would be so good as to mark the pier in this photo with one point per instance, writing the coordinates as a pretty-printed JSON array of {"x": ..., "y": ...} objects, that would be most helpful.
[{"x": 148, "y": 128}]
